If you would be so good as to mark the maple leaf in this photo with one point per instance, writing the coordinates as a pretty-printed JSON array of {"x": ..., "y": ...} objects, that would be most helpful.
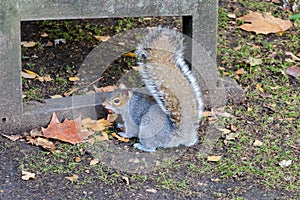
[
  {"x": 264, "y": 24},
  {"x": 70, "y": 131}
]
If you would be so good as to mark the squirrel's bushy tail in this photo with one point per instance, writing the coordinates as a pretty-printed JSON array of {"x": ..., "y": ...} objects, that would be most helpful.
[{"x": 171, "y": 82}]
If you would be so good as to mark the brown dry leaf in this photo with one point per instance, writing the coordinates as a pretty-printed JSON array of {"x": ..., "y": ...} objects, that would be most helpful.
[
  {"x": 44, "y": 35},
  {"x": 27, "y": 76},
  {"x": 293, "y": 56},
  {"x": 73, "y": 79},
  {"x": 70, "y": 131},
  {"x": 94, "y": 162},
  {"x": 120, "y": 138},
  {"x": 49, "y": 44},
  {"x": 224, "y": 130},
  {"x": 240, "y": 71},
  {"x": 102, "y": 38},
  {"x": 46, "y": 78},
  {"x": 96, "y": 125},
  {"x": 28, "y": 44},
  {"x": 214, "y": 158},
  {"x": 206, "y": 114},
  {"x": 72, "y": 178},
  {"x": 264, "y": 24},
  {"x": 109, "y": 88},
  {"x": 42, "y": 142},
  {"x": 12, "y": 137},
  {"x": 103, "y": 137},
  {"x": 293, "y": 71},
  {"x": 77, "y": 159},
  {"x": 259, "y": 87},
  {"x": 27, "y": 175}
]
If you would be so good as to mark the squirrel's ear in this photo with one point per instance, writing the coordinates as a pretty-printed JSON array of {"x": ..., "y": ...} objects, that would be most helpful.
[{"x": 122, "y": 86}]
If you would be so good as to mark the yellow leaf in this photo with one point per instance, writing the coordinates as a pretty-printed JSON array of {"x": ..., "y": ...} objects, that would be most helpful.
[
  {"x": 75, "y": 78},
  {"x": 129, "y": 54},
  {"x": 120, "y": 138},
  {"x": 214, "y": 158},
  {"x": 259, "y": 87},
  {"x": 31, "y": 72}
]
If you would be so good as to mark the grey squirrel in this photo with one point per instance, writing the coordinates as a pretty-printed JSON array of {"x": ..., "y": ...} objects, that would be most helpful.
[{"x": 170, "y": 117}]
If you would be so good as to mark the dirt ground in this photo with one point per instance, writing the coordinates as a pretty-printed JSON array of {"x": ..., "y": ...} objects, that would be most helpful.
[{"x": 190, "y": 176}]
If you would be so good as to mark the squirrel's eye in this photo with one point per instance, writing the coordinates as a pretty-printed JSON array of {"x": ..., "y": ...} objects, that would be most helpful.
[{"x": 116, "y": 101}]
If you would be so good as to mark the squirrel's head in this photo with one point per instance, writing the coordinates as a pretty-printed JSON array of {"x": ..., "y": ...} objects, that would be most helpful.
[{"x": 117, "y": 100}]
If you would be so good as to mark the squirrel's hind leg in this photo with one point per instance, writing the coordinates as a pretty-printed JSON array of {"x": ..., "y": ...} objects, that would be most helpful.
[{"x": 141, "y": 147}]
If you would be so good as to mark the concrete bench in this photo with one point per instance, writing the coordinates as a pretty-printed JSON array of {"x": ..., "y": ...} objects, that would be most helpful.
[{"x": 199, "y": 22}]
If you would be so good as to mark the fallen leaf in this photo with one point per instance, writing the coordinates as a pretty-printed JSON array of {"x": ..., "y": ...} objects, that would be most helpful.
[
  {"x": 56, "y": 96},
  {"x": 240, "y": 71},
  {"x": 70, "y": 131},
  {"x": 254, "y": 61},
  {"x": 231, "y": 136},
  {"x": 126, "y": 179},
  {"x": 96, "y": 125},
  {"x": 285, "y": 163},
  {"x": 103, "y": 137},
  {"x": 292, "y": 56},
  {"x": 206, "y": 114},
  {"x": 257, "y": 143},
  {"x": 12, "y": 137},
  {"x": 73, "y": 79},
  {"x": 46, "y": 78},
  {"x": 28, "y": 44},
  {"x": 129, "y": 54},
  {"x": 231, "y": 15},
  {"x": 109, "y": 88},
  {"x": 27, "y": 76},
  {"x": 94, "y": 162},
  {"x": 259, "y": 87},
  {"x": 224, "y": 130},
  {"x": 72, "y": 178},
  {"x": 44, "y": 35},
  {"x": 264, "y": 24},
  {"x": 214, "y": 158},
  {"x": 120, "y": 138},
  {"x": 42, "y": 142},
  {"x": 59, "y": 41},
  {"x": 102, "y": 38},
  {"x": 293, "y": 71},
  {"x": 152, "y": 190},
  {"x": 27, "y": 175},
  {"x": 49, "y": 44},
  {"x": 77, "y": 159}
]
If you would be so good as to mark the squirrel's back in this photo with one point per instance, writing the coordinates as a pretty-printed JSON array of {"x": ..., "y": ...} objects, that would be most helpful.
[{"x": 171, "y": 82}]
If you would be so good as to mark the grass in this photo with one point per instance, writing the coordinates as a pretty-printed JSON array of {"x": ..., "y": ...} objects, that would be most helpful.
[{"x": 274, "y": 120}]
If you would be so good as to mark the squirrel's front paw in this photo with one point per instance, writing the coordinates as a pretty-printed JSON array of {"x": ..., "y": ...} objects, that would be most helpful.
[
  {"x": 141, "y": 147},
  {"x": 123, "y": 134}
]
